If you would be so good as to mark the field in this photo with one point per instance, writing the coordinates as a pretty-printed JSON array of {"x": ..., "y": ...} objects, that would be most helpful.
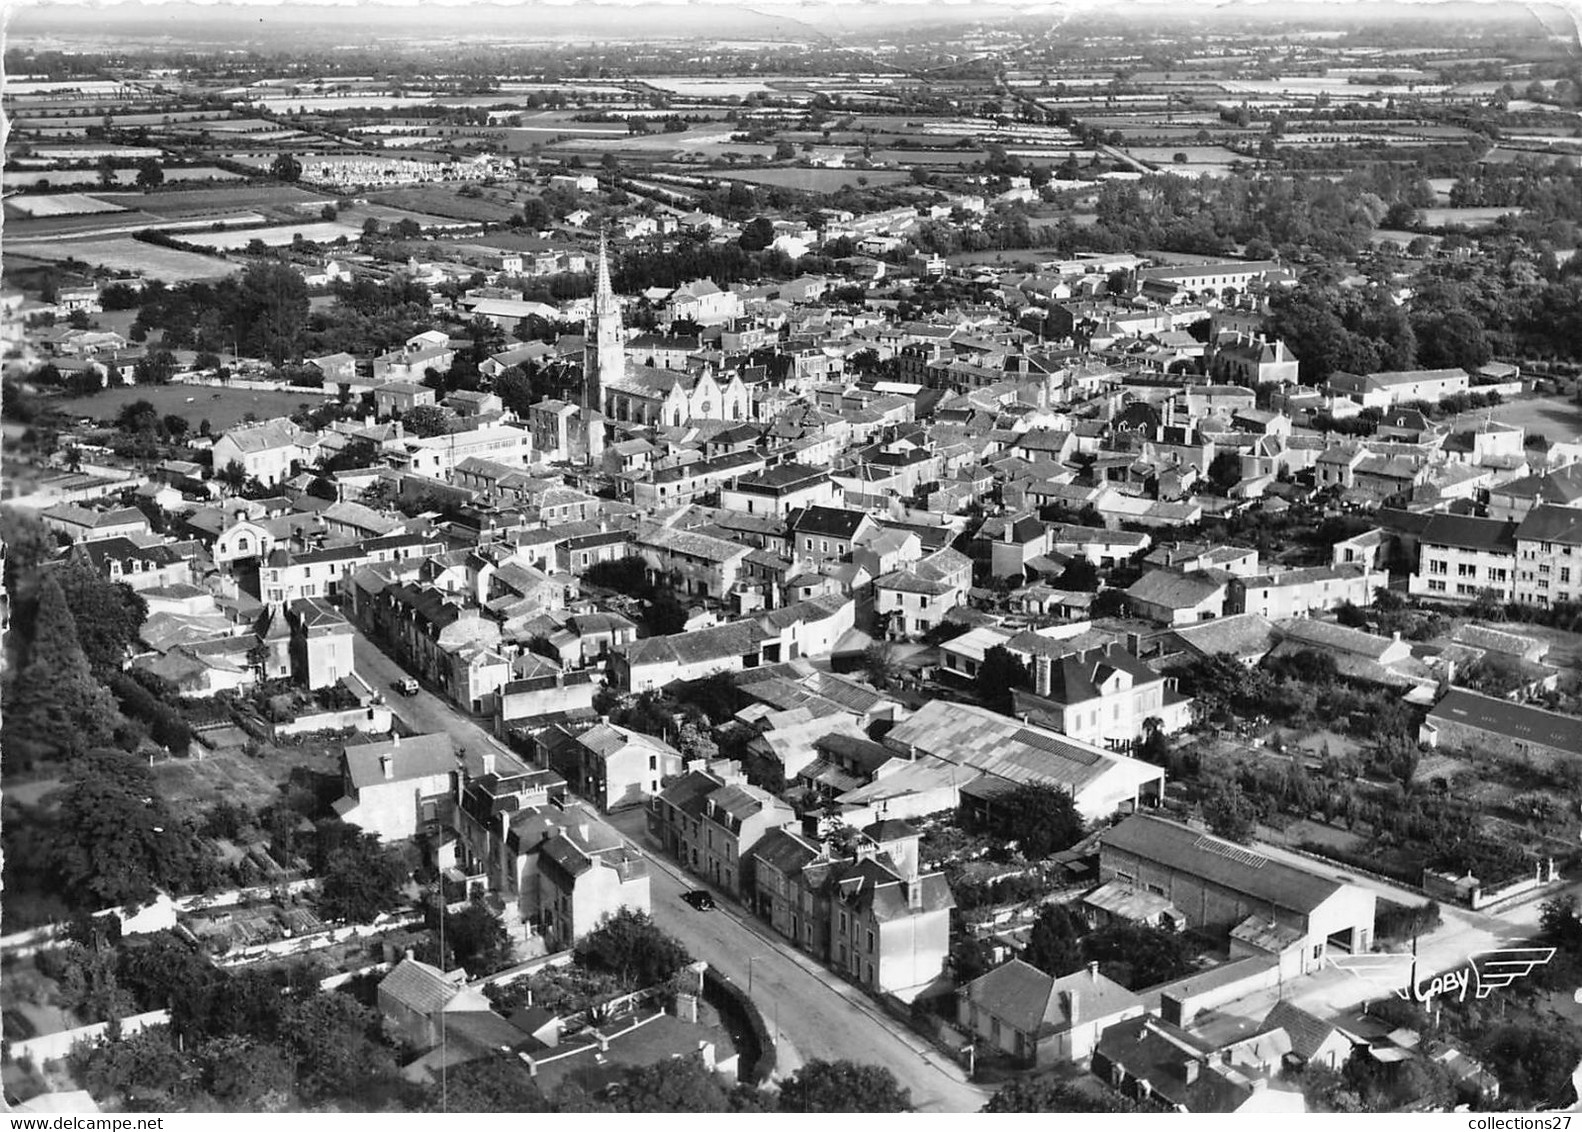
[
  {"x": 222, "y": 408},
  {"x": 1470, "y": 217},
  {"x": 202, "y": 202},
  {"x": 436, "y": 200},
  {"x": 245, "y": 780},
  {"x": 78, "y": 178},
  {"x": 814, "y": 180},
  {"x": 317, "y": 231},
  {"x": 1553, "y": 417},
  {"x": 129, "y": 256},
  {"x": 58, "y": 204},
  {"x": 1195, "y": 154},
  {"x": 708, "y": 88}
]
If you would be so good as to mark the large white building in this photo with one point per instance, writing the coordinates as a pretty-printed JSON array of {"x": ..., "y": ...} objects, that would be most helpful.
[
  {"x": 267, "y": 452},
  {"x": 1459, "y": 557},
  {"x": 1549, "y": 555}
]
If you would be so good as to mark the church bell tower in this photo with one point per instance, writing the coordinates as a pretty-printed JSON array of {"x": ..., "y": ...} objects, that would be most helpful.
[{"x": 604, "y": 351}]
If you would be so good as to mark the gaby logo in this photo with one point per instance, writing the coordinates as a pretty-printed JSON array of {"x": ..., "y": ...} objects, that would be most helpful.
[{"x": 1484, "y": 973}]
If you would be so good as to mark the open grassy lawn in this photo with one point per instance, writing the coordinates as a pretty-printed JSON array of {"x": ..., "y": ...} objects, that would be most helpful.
[
  {"x": 1554, "y": 417},
  {"x": 222, "y": 408},
  {"x": 1469, "y": 217},
  {"x": 124, "y": 254},
  {"x": 814, "y": 180},
  {"x": 438, "y": 200},
  {"x": 232, "y": 774},
  {"x": 203, "y": 202}
]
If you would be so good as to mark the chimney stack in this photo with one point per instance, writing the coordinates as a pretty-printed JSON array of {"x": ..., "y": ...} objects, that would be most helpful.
[
  {"x": 1073, "y": 1005},
  {"x": 488, "y": 762},
  {"x": 1043, "y": 674},
  {"x": 387, "y": 765}
]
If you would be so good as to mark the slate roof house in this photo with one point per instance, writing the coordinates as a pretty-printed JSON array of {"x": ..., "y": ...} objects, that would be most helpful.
[
  {"x": 1040, "y": 1019},
  {"x": 612, "y": 766},
  {"x": 394, "y": 788}
]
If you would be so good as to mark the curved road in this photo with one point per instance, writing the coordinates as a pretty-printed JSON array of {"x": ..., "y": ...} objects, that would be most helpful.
[{"x": 816, "y": 1014}]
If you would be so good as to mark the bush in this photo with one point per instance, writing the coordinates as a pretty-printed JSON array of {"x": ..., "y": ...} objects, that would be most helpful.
[
  {"x": 1401, "y": 921},
  {"x": 165, "y": 724},
  {"x": 728, "y": 998}
]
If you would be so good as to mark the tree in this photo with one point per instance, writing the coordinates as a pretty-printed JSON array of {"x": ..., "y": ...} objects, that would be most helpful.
[
  {"x": 843, "y": 1086},
  {"x": 1136, "y": 955},
  {"x": 335, "y": 1040},
  {"x": 1041, "y": 819},
  {"x": 629, "y": 945},
  {"x": 137, "y": 416},
  {"x": 1230, "y": 815},
  {"x": 426, "y": 420},
  {"x": 681, "y": 1085},
  {"x": 757, "y": 235},
  {"x": 536, "y": 215},
  {"x": 879, "y": 664},
  {"x": 27, "y": 543},
  {"x": 56, "y": 705},
  {"x": 119, "y": 839},
  {"x": 1532, "y": 1061},
  {"x": 149, "y": 174},
  {"x": 1224, "y": 471},
  {"x": 156, "y": 367},
  {"x": 695, "y": 742},
  {"x": 1154, "y": 748},
  {"x": 1051, "y": 1094},
  {"x": 360, "y": 878},
  {"x": 475, "y": 938},
  {"x": 245, "y": 1073},
  {"x": 1000, "y": 672},
  {"x": 271, "y": 310},
  {"x": 1054, "y": 943},
  {"x": 490, "y": 1084},
  {"x": 1079, "y": 574},
  {"x": 286, "y": 168},
  {"x": 107, "y": 615},
  {"x": 147, "y": 1059}
]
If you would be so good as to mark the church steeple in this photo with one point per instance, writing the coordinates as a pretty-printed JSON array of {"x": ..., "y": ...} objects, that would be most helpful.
[{"x": 604, "y": 349}]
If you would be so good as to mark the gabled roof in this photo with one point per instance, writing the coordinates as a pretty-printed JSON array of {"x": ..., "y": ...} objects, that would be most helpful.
[
  {"x": 1174, "y": 590},
  {"x": 1034, "y": 1003},
  {"x": 278, "y": 433},
  {"x": 1469, "y": 533},
  {"x": 1185, "y": 850},
  {"x": 421, "y": 756},
  {"x": 835, "y": 522},
  {"x": 1550, "y": 523},
  {"x": 1307, "y": 1032},
  {"x": 420, "y": 987},
  {"x": 1513, "y": 721}
]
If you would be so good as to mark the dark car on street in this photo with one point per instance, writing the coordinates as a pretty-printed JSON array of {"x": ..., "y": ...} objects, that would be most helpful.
[{"x": 699, "y": 898}]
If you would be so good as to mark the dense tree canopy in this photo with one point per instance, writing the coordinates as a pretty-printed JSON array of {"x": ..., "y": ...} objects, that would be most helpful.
[
  {"x": 1050, "y": 1094},
  {"x": 119, "y": 839},
  {"x": 1041, "y": 819},
  {"x": 56, "y": 709},
  {"x": 843, "y": 1086},
  {"x": 629, "y": 945}
]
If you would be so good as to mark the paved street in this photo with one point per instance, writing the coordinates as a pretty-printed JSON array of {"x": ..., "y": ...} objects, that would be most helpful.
[
  {"x": 820, "y": 1015},
  {"x": 1462, "y": 934},
  {"x": 425, "y": 712},
  {"x": 817, "y": 1014}
]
